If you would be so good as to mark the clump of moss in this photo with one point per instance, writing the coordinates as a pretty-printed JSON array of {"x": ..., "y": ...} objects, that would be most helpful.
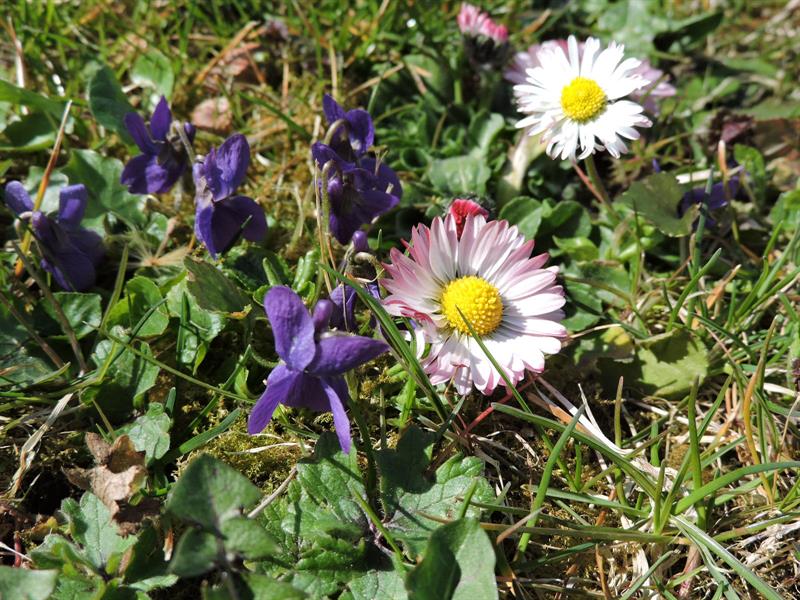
[{"x": 266, "y": 468}]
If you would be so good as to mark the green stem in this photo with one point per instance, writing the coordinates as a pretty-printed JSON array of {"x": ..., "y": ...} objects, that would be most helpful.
[
  {"x": 594, "y": 177},
  {"x": 378, "y": 525},
  {"x": 366, "y": 447}
]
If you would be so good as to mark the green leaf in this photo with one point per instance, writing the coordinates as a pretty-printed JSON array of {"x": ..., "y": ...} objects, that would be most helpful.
[
  {"x": 141, "y": 296},
  {"x": 213, "y": 291},
  {"x": 73, "y": 587},
  {"x": 578, "y": 248},
  {"x": 20, "y": 96},
  {"x": 634, "y": 23},
  {"x": 26, "y": 584},
  {"x": 31, "y": 133},
  {"x": 656, "y": 198},
  {"x": 330, "y": 478},
  {"x": 266, "y": 588},
  {"x": 483, "y": 130},
  {"x": 665, "y": 367},
  {"x": 128, "y": 377},
  {"x": 198, "y": 327},
  {"x": 90, "y": 525},
  {"x": 690, "y": 30},
  {"x": 408, "y": 496},
  {"x": 20, "y": 360},
  {"x": 153, "y": 70},
  {"x": 248, "y": 538},
  {"x": 526, "y": 213},
  {"x": 108, "y": 102},
  {"x": 196, "y": 553},
  {"x": 147, "y": 568},
  {"x": 210, "y": 492},
  {"x": 375, "y": 583},
  {"x": 107, "y": 195},
  {"x": 150, "y": 432},
  {"x": 83, "y": 312},
  {"x": 327, "y": 564},
  {"x": 787, "y": 211},
  {"x": 252, "y": 586},
  {"x": 458, "y": 565},
  {"x": 460, "y": 175},
  {"x": 584, "y": 308}
]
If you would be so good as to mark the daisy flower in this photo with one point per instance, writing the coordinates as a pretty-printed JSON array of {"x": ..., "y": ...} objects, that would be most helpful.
[
  {"x": 487, "y": 274},
  {"x": 576, "y": 100},
  {"x": 653, "y": 92}
]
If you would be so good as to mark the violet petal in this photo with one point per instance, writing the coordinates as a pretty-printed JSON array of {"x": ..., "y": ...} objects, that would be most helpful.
[
  {"x": 161, "y": 120},
  {"x": 138, "y": 130},
  {"x": 226, "y": 168},
  {"x": 72, "y": 204},
  {"x": 17, "y": 198},
  {"x": 336, "y": 390},
  {"x": 282, "y": 384},
  {"x": 337, "y": 354},
  {"x": 292, "y": 327}
]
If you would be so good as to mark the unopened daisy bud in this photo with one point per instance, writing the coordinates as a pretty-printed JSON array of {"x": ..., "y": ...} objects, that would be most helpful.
[
  {"x": 461, "y": 208},
  {"x": 486, "y": 42}
]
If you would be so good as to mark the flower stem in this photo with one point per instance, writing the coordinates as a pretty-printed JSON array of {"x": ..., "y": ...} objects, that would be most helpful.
[
  {"x": 372, "y": 473},
  {"x": 332, "y": 130},
  {"x": 37, "y": 203},
  {"x": 187, "y": 145},
  {"x": 594, "y": 177},
  {"x": 323, "y": 217}
]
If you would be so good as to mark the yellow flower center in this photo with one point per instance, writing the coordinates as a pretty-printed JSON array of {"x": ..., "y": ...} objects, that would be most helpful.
[
  {"x": 478, "y": 300},
  {"x": 582, "y": 100}
]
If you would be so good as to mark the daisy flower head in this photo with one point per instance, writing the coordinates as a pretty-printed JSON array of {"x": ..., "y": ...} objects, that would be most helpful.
[
  {"x": 656, "y": 89},
  {"x": 488, "y": 276},
  {"x": 577, "y": 100}
]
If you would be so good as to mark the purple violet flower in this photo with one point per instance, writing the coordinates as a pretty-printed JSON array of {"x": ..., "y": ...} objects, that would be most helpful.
[
  {"x": 70, "y": 253},
  {"x": 221, "y": 217},
  {"x": 343, "y": 317},
  {"x": 163, "y": 158},
  {"x": 359, "y": 188},
  {"x": 313, "y": 362},
  {"x": 716, "y": 199},
  {"x": 353, "y": 139}
]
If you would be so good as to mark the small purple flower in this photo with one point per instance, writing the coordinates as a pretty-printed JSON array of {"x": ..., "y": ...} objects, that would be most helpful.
[
  {"x": 354, "y": 138},
  {"x": 716, "y": 199},
  {"x": 70, "y": 253},
  {"x": 343, "y": 317},
  {"x": 359, "y": 188},
  {"x": 313, "y": 362},
  {"x": 163, "y": 158},
  {"x": 221, "y": 217}
]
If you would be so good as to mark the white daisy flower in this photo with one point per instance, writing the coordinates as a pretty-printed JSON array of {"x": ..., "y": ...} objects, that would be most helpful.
[
  {"x": 487, "y": 273},
  {"x": 575, "y": 99}
]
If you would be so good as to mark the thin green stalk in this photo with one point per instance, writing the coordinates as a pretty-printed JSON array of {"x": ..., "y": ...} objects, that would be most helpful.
[
  {"x": 59, "y": 312},
  {"x": 541, "y": 492},
  {"x": 694, "y": 453},
  {"x": 378, "y": 525},
  {"x": 594, "y": 177}
]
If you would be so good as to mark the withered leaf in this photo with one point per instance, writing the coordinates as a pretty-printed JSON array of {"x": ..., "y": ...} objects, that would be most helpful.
[{"x": 119, "y": 473}]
